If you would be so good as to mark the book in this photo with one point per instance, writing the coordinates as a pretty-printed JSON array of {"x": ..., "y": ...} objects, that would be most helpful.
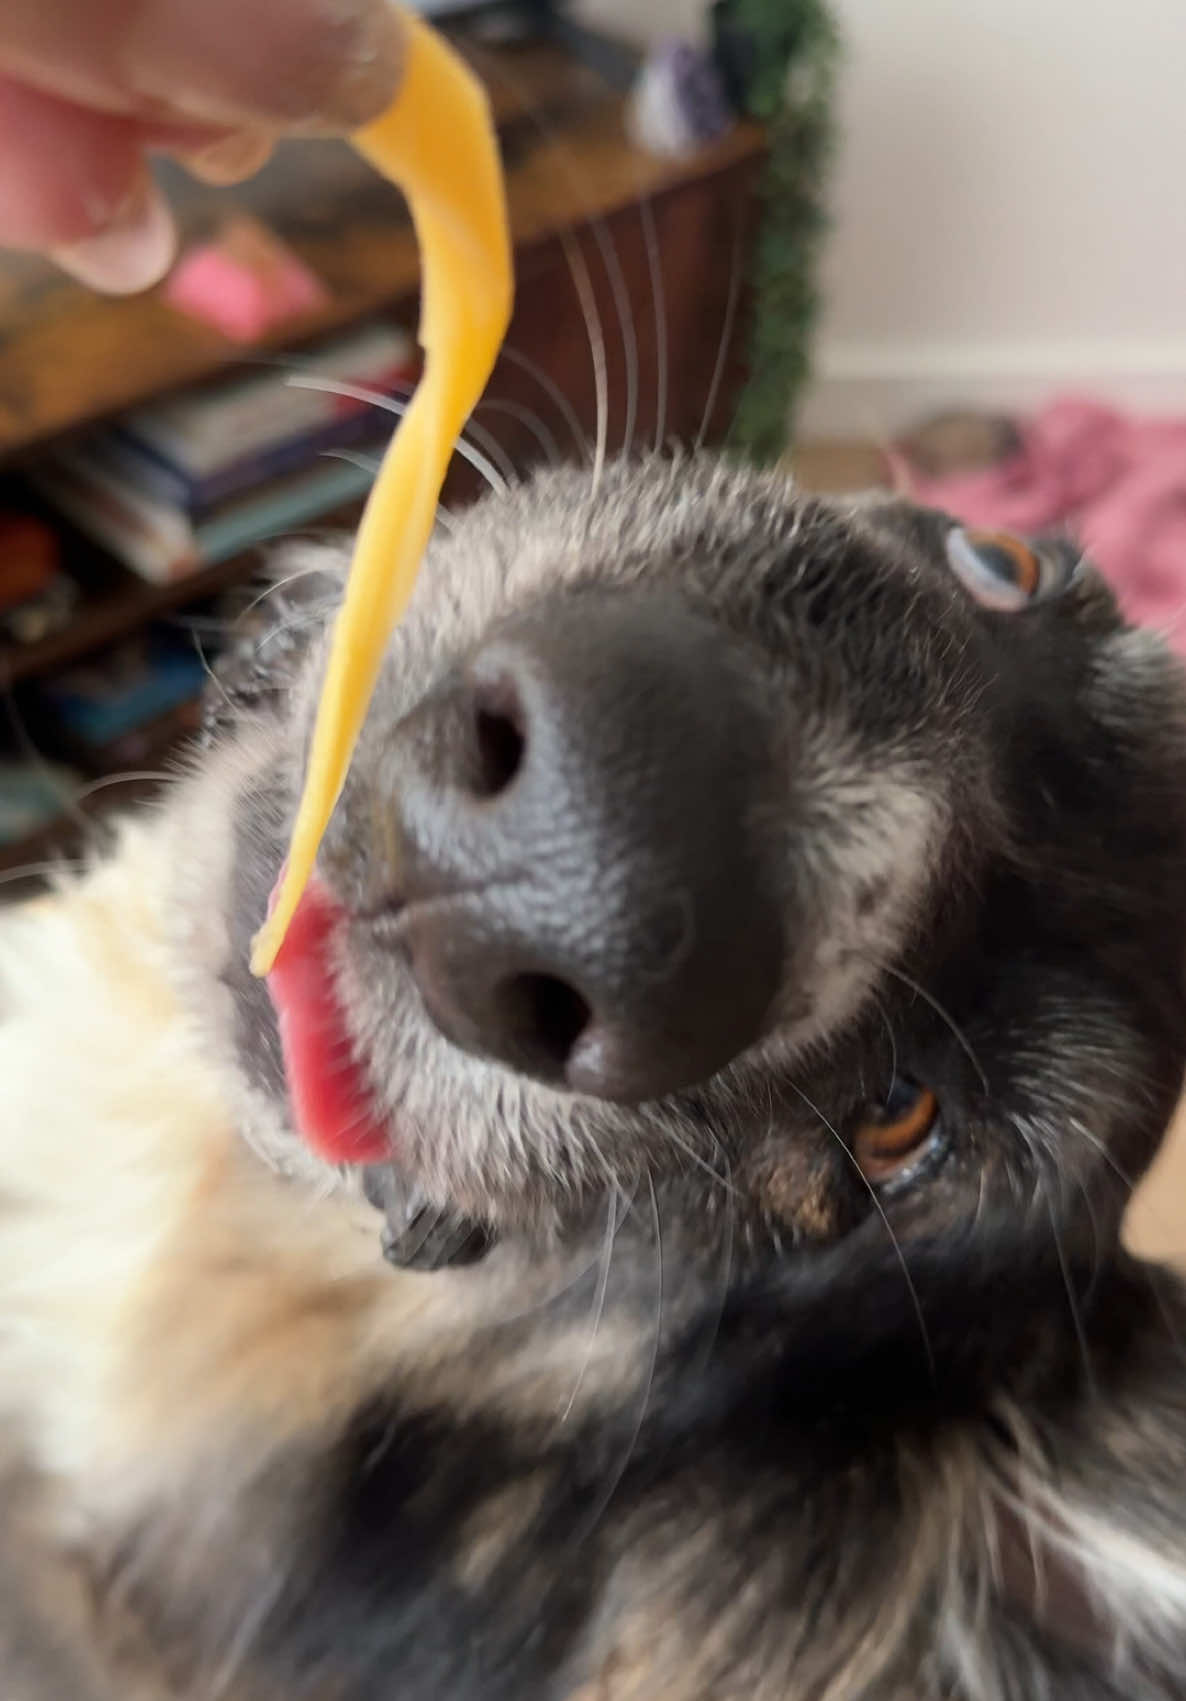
[
  {"x": 160, "y": 541},
  {"x": 212, "y": 427},
  {"x": 94, "y": 704},
  {"x": 125, "y": 459},
  {"x": 36, "y": 617}
]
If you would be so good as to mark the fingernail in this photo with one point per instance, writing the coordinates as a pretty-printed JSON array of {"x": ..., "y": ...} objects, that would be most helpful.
[
  {"x": 132, "y": 252},
  {"x": 230, "y": 160},
  {"x": 371, "y": 63}
]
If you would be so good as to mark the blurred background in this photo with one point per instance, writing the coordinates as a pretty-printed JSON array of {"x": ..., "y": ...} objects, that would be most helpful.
[{"x": 939, "y": 247}]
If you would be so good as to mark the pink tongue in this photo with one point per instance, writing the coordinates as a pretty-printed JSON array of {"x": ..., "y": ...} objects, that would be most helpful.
[{"x": 331, "y": 1101}]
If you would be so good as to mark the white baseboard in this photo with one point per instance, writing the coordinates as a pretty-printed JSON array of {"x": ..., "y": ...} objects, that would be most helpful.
[{"x": 873, "y": 390}]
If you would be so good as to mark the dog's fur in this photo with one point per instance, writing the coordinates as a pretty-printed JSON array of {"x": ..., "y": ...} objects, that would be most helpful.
[{"x": 713, "y": 1419}]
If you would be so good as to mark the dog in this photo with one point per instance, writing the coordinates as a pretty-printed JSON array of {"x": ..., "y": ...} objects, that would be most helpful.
[{"x": 663, "y": 1237}]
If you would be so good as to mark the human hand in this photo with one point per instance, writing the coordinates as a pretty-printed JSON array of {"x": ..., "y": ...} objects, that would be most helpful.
[{"x": 89, "y": 87}]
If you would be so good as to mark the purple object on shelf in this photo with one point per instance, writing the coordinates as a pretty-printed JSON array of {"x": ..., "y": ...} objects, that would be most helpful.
[{"x": 679, "y": 102}]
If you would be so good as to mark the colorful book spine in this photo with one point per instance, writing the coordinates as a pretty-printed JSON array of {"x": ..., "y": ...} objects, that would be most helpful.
[
  {"x": 140, "y": 465},
  {"x": 204, "y": 430},
  {"x": 161, "y": 542}
]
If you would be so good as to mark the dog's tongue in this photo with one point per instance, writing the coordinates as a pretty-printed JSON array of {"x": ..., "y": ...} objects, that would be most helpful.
[{"x": 331, "y": 1101}]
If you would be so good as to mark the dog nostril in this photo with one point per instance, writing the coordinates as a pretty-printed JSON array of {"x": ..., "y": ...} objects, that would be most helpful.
[
  {"x": 500, "y": 751},
  {"x": 547, "y": 1017},
  {"x": 498, "y": 730}
]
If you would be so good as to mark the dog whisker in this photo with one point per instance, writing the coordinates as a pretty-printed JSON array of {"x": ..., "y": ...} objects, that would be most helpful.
[
  {"x": 529, "y": 418},
  {"x": 391, "y": 404},
  {"x": 576, "y": 260},
  {"x": 880, "y": 1209},
  {"x": 603, "y": 1503},
  {"x": 726, "y": 339},
  {"x": 944, "y": 1015},
  {"x": 554, "y": 393},
  {"x": 655, "y": 270},
  {"x": 611, "y": 1229}
]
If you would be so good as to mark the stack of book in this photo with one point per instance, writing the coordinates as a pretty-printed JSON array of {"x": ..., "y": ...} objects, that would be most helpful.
[
  {"x": 36, "y": 596},
  {"x": 195, "y": 479},
  {"x": 124, "y": 706}
]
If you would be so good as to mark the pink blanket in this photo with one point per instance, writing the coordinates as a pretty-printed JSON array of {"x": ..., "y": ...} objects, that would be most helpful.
[{"x": 1117, "y": 483}]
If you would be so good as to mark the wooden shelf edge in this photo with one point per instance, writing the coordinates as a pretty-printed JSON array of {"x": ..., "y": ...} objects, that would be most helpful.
[{"x": 108, "y": 619}]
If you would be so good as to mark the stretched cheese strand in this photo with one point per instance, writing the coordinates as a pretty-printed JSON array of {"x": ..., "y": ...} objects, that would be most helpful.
[{"x": 437, "y": 143}]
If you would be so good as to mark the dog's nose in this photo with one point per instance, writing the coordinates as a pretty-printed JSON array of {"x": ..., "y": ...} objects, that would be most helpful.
[{"x": 579, "y": 829}]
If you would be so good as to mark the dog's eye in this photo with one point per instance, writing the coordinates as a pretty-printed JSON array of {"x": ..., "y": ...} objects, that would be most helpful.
[
  {"x": 1002, "y": 572},
  {"x": 895, "y": 1133}
]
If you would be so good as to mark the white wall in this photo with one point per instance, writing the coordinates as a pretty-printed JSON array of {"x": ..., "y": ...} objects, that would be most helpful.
[
  {"x": 1010, "y": 208},
  {"x": 1009, "y": 204}
]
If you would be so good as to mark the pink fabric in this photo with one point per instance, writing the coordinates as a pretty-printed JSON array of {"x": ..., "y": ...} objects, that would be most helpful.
[
  {"x": 1117, "y": 483},
  {"x": 244, "y": 285}
]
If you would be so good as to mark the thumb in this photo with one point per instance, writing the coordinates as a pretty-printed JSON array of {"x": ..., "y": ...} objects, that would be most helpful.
[{"x": 255, "y": 64}]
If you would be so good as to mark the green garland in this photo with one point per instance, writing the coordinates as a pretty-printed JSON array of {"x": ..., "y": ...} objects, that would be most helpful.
[{"x": 790, "y": 49}]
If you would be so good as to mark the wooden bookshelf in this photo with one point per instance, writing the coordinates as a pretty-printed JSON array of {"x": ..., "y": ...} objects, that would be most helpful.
[
  {"x": 69, "y": 357},
  {"x": 576, "y": 186},
  {"x": 111, "y": 613}
]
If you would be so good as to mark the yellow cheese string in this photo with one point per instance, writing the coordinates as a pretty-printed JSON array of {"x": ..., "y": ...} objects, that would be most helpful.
[{"x": 437, "y": 143}]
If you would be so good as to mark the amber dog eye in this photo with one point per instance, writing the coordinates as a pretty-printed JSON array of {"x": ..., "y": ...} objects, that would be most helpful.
[
  {"x": 1002, "y": 572},
  {"x": 896, "y": 1132}
]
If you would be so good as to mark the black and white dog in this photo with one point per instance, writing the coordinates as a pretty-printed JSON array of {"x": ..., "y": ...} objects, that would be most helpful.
[{"x": 745, "y": 974}]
